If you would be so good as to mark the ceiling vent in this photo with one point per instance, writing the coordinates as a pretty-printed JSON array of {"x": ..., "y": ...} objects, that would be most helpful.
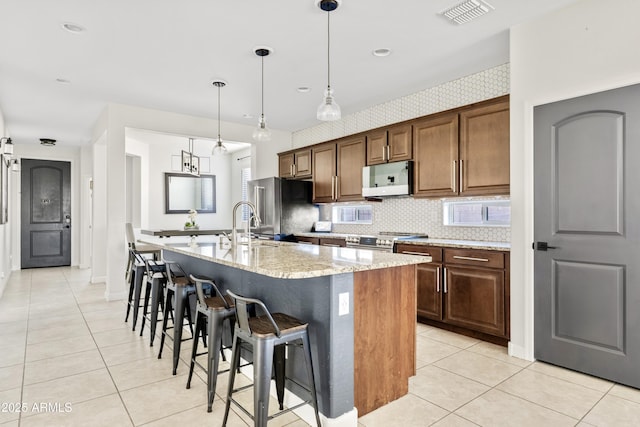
[
  {"x": 467, "y": 11},
  {"x": 47, "y": 142}
]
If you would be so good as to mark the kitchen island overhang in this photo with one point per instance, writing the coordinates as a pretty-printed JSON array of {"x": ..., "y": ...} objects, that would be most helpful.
[{"x": 363, "y": 349}]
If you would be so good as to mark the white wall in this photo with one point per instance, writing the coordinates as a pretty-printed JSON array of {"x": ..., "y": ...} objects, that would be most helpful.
[
  {"x": 587, "y": 47},
  {"x": 57, "y": 153},
  {"x": 115, "y": 120}
]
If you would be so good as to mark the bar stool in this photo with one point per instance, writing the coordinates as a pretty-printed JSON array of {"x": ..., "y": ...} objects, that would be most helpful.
[
  {"x": 177, "y": 286},
  {"x": 156, "y": 280},
  {"x": 211, "y": 314},
  {"x": 265, "y": 333},
  {"x": 138, "y": 271},
  {"x": 142, "y": 249}
]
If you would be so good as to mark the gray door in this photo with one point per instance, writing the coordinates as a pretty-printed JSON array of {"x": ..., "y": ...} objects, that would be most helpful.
[
  {"x": 45, "y": 213},
  {"x": 587, "y": 233}
]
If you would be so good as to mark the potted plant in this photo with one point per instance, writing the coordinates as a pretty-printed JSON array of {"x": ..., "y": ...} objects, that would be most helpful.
[{"x": 191, "y": 222}]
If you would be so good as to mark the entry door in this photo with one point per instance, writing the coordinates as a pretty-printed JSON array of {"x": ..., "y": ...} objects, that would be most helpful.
[
  {"x": 587, "y": 232},
  {"x": 46, "y": 213}
]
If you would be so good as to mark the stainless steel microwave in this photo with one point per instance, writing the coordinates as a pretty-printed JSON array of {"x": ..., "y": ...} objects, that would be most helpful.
[{"x": 388, "y": 179}]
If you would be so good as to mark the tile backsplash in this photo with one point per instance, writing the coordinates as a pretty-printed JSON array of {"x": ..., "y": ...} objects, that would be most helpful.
[
  {"x": 476, "y": 87},
  {"x": 411, "y": 215}
]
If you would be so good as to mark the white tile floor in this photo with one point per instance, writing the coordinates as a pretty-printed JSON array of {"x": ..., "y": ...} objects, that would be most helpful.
[{"x": 61, "y": 343}]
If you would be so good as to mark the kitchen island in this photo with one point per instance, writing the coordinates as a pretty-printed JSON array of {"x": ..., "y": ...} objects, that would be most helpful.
[{"x": 360, "y": 305}]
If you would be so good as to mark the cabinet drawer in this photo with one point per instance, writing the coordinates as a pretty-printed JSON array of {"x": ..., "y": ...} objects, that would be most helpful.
[
  {"x": 434, "y": 253},
  {"x": 474, "y": 257}
]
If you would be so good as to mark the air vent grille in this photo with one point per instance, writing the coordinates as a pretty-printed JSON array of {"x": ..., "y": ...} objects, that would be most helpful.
[{"x": 467, "y": 11}]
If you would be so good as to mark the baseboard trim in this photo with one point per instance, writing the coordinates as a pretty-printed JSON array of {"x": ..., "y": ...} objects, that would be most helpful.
[{"x": 98, "y": 279}]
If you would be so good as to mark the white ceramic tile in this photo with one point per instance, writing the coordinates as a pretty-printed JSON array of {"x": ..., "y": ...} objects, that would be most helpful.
[
  {"x": 496, "y": 408},
  {"x": 572, "y": 376},
  {"x": 629, "y": 393},
  {"x": 614, "y": 411},
  {"x": 62, "y": 366},
  {"x": 497, "y": 352},
  {"x": 11, "y": 377},
  {"x": 409, "y": 410},
  {"x": 13, "y": 405},
  {"x": 485, "y": 370},
  {"x": 553, "y": 393},
  {"x": 443, "y": 388}
]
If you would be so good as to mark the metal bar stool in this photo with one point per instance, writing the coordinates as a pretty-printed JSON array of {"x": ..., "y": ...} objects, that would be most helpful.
[
  {"x": 156, "y": 280},
  {"x": 178, "y": 286},
  {"x": 265, "y": 333},
  {"x": 210, "y": 316},
  {"x": 138, "y": 271}
]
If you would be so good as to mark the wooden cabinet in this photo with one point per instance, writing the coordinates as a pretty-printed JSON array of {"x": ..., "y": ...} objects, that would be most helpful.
[
  {"x": 295, "y": 164},
  {"x": 466, "y": 290},
  {"x": 389, "y": 145},
  {"x": 337, "y": 172},
  {"x": 331, "y": 241},
  {"x": 463, "y": 153},
  {"x": 484, "y": 150},
  {"x": 307, "y": 240}
]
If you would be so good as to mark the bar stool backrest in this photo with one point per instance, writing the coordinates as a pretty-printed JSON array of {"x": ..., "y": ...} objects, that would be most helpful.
[
  {"x": 171, "y": 268},
  {"x": 242, "y": 312},
  {"x": 200, "y": 291},
  {"x": 131, "y": 238},
  {"x": 155, "y": 269}
]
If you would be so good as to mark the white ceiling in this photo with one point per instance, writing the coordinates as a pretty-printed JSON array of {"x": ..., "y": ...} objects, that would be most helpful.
[{"x": 164, "y": 54}]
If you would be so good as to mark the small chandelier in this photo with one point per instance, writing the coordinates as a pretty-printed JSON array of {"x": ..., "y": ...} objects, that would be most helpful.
[
  {"x": 262, "y": 132},
  {"x": 190, "y": 162},
  {"x": 328, "y": 110},
  {"x": 219, "y": 148}
]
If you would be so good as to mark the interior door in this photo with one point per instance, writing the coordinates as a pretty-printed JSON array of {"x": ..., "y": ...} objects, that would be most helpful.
[
  {"x": 587, "y": 232},
  {"x": 45, "y": 213}
]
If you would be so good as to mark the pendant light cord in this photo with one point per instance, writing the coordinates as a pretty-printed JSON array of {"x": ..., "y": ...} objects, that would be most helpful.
[
  {"x": 219, "y": 115},
  {"x": 262, "y": 105},
  {"x": 328, "y": 51}
]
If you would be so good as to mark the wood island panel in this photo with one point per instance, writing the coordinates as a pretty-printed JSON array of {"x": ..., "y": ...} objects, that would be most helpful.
[{"x": 384, "y": 335}]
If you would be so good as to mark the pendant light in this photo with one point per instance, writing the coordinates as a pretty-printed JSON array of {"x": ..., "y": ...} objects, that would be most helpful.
[
  {"x": 219, "y": 148},
  {"x": 262, "y": 132},
  {"x": 328, "y": 110},
  {"x": 190, "y": 162}
]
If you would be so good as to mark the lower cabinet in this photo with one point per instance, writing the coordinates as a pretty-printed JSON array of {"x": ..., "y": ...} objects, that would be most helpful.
[
  {"x": 322, "y": 241},
  {"x": 465, "y": 290}
]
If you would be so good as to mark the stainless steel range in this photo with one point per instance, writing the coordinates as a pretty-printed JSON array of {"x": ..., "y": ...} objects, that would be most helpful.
[{"x": 380, "y": 242}]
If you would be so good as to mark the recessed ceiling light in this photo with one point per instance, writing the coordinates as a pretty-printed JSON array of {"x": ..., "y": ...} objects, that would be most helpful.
[
  {"x": 467, "y": 11},
  {"x": 63, "y": 81},
  {"x": 72, "y": 28},
  {"x": 382, "y": 52},
  {"x": 304, "y": 89}
]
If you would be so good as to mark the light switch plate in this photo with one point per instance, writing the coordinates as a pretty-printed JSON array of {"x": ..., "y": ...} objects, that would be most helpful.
[{"x": 343, "y": 304}]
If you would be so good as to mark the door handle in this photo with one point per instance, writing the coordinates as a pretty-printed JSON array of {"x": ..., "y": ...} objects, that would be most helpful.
[
  {"x": 438, "y": 279},
  {"x": 542, "y": 246}
]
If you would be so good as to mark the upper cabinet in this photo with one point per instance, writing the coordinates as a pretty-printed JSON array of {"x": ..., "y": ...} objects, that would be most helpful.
[
  {"x": 295, "y": 164},
  {"x": 337, "y": 172},
  {"x": 463, "y": 153},
  {"x": 389, "y": 145}
]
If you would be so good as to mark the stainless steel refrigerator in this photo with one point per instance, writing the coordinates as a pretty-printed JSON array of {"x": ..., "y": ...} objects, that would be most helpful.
[{"x": 284, "y": 206}]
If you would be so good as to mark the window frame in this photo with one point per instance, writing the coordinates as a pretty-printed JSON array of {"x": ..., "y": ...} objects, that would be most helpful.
[{"x": 448, "y": 208}]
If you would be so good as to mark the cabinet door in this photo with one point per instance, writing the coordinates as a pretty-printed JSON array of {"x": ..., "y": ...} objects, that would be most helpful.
[
  {"x": 400, "y": 146},
  {"x": 351, "y": 158},
  {"x": 376, "y": 147},
  {"x": 304, "y": 240},
  {"x": 302, "y": 168},
  {"x": 484, "y": 150},
  {"x": 429, "y": 291},
  {"x": 474, "y": 299},
  {"x": 324, "y": 172},
  {"x": 285, "y": 165},
  {"x": 328, "y": 241},
  {"x": 435, "y": 148}
]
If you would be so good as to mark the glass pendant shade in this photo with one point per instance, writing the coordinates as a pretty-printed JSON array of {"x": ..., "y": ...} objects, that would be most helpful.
[
  {"x": 219, "y": 149},
  {"x": 329, "y": 109},
  {"x": 262, "y": 132}
]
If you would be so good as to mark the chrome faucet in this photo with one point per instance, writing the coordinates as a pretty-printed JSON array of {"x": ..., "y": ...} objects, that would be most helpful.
[{"x": 255, "y": 218}]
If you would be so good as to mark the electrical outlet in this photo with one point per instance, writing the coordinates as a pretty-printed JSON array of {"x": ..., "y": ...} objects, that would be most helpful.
[{"x": 343, "y": 304}]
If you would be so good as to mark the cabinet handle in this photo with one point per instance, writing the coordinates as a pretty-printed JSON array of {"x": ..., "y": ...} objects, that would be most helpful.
[
  {"x": 438, "y": 279},
  {"x": 295, "y": 169},
  {"x": 337, "y": 187},
  {"x": 291, "y": 169},
  {"x": 331, "y": 244},
  {"x": 445, "y": 281},
  {"x": 461, "y": 174},
  {"x": 469, "y": 258},
  {"x": 305, "y": 243},
  {"x": 388, "y": 153},
  {"x": 416, "y": 253},
  {"x": 453, "y": 177}
]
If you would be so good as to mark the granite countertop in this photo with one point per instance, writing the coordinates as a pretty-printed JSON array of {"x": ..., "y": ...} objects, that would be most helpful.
[
  {"x": 449, "y": 243},
  {"x": 283, "y": 259}
]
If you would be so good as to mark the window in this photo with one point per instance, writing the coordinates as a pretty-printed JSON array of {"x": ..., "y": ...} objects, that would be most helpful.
[
  {"x": 245, "y": 177},
  {"x": 488, "y": 213},
  {"x": 362, "y": 214}
]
